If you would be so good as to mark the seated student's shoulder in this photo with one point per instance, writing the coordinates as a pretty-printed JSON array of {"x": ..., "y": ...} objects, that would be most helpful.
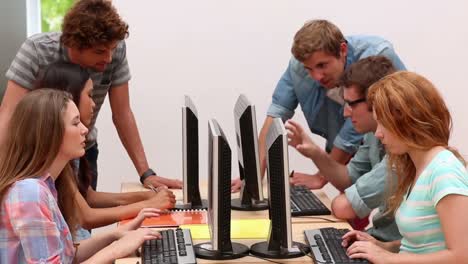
[
  {"x": 446, "y": 174},
  {"x": 446, "y": 163},
  {"x": 29, "y": 190}
]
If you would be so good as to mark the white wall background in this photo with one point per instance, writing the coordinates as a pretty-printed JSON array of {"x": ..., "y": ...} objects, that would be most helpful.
[{"x": 215, "y": 50}]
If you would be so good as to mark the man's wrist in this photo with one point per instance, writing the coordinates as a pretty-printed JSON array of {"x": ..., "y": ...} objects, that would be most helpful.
[
  {"x": 315, "y": 152},
  {"x": 148, "y": 173}
]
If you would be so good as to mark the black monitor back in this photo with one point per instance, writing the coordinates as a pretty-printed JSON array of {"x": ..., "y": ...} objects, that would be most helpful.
[
  {"x": 220, "y": 246},
  {"x": 219, "y": 184},
  {"x": 280, "y": 236},
  {"x": 247, "y": 151},
  {"x": 190, "y": 150},
  {"x": 279, "y": 244}
]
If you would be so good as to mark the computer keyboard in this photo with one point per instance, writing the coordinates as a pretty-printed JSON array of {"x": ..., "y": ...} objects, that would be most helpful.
[
  {"x": 325, "y": 245},
  {"x": 175, "y": 246},
  {"x": 304, "y": 202}
]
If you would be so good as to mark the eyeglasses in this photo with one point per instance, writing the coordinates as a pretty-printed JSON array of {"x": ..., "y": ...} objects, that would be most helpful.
[{"x": 352, "y": 104}]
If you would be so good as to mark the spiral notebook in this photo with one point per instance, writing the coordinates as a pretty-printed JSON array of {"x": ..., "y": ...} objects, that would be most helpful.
[{"x": 175, "y": 218}]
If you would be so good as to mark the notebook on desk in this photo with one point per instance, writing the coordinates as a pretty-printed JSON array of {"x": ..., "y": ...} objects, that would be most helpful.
[
  {"x": 240, "y": 229},
  {"x": 175, "y": 218}
]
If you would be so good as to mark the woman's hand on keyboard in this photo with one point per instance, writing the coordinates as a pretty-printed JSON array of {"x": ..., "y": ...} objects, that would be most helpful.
[
  {"x": 131, "y": 241},
  {"x": 370, "y": 251},
  {"x": 354, "y": 235},
  {"x": 136, "y": 222}
]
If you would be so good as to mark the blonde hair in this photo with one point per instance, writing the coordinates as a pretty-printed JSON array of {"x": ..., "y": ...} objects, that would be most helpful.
[
  {"x": 410, "y": 99},
  {"x": 317, "y": 35},
  {"x": 33, "y": 141}
]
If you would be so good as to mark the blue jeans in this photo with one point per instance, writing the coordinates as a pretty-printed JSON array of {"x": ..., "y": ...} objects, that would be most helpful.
[
  {"x": 81, "y": 234},
  {"x": 92, "y": 156}
]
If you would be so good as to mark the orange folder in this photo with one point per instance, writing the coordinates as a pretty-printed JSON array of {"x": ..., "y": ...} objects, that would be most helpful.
[{"x": 175, "y": 218}]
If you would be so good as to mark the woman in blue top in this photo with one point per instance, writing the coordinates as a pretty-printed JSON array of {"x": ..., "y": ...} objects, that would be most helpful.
[{"x": 431, "y": 195}]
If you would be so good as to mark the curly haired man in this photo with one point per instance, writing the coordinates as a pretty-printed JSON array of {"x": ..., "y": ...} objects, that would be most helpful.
[{"x": 92, "y": 36}]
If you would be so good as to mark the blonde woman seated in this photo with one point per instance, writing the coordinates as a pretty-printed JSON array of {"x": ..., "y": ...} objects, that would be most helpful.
[
  {"x": 97, "y": 208},
  {"x": 431, "y": 198},
  {"x": 38, "y": 213}
]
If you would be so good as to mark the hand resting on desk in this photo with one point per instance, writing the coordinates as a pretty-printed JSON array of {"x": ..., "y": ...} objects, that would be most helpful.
[
  {"x": 314, "y": 181},
  {"x": 157, "y": 181},
  {"x": 163, "y": 199}
]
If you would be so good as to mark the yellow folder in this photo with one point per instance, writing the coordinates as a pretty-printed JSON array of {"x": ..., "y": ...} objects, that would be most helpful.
[{"x": 240, "y": 229}]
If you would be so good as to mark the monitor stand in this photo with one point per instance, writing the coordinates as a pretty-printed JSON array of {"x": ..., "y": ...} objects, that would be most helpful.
[
  {"x": 237, "y": 204},
  {"x": 246, "y": 204},
  {"x": 205, "y": 251},
  {"x": 261, "y": 249}
]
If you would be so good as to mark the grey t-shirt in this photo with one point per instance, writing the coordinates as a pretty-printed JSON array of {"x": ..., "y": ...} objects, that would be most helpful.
[
  {"x": 368, "y": 173},
  {"x": 41, "y": 50}
]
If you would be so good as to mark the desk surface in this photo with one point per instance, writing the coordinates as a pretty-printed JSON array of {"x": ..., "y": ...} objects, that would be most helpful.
[
  {"x": 299, "y": 224},
  {"x": 134, "y": 187}
]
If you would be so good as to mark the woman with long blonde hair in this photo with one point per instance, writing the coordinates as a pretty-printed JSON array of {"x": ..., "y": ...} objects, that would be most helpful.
[
  {"x": 38, "y": 214},
  {"x": 431, "y": 195},
  {"x": 97, "y": 209}
]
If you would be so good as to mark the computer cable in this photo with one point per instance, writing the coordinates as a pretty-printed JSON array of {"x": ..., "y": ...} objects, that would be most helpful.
[
  {"x": 310, "y": 256},
  {"x": 317, "y": 217}
]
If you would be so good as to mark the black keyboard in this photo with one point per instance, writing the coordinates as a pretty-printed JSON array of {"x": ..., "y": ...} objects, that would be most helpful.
[
  {"x": 325, "y": 245},
  {"x": 304, "y": 202},
  {"x": 175, "y": 246}
]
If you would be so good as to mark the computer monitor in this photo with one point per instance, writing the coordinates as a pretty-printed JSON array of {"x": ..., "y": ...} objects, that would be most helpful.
[
  {"x": 251, "y": 194},
  {"x": 220, "y": 246},
  {"x": 190, "y": 160},
  {"x": 279, "y": 244}
]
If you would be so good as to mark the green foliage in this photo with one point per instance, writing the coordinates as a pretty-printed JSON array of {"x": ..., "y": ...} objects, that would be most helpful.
[{"x": 52, "y": 13}]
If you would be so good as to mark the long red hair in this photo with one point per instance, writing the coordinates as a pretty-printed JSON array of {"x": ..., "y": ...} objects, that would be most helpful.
[{"x": 410, "y": 107}]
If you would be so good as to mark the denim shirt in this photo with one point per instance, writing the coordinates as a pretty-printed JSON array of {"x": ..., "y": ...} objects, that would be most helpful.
[
  {"x": 370, "y": 187},
  {"x": 325, "y": 116}
]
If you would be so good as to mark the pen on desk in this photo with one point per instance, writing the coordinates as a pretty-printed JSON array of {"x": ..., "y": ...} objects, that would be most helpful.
[
  {"x": 157, "y": 189},
  {"x": 152, "y": 188}
]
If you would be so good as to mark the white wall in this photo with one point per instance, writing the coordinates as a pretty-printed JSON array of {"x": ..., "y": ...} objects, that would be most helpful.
[{"x": 215, "y": 50}]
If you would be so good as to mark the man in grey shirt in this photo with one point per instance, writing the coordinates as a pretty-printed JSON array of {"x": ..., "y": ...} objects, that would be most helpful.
[
  {"x": 92, "y": 36},
  {"x": 364, "y": 180}
]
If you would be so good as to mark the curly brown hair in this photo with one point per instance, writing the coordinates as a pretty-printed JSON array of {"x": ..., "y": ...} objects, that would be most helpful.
[{"x": 92, "y": 22}]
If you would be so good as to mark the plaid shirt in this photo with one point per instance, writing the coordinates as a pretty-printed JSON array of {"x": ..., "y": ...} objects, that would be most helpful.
[{"x": 32, "y": 228}]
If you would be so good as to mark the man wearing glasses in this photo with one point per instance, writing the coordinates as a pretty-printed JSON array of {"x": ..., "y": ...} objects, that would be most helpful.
[{"x": 364, "y": 179}]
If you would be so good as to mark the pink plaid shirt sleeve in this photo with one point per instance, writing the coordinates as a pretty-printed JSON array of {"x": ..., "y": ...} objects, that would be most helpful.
[{"x": 34, "y": 226}]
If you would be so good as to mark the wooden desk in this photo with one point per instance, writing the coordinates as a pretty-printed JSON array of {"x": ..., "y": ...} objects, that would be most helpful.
[
  {"x": 298, "y": 226},
  {"x": 135, "y": 187}
]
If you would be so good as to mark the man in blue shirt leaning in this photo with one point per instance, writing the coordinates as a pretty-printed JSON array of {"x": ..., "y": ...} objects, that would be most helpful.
[{"x": 320, "y": 55}]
